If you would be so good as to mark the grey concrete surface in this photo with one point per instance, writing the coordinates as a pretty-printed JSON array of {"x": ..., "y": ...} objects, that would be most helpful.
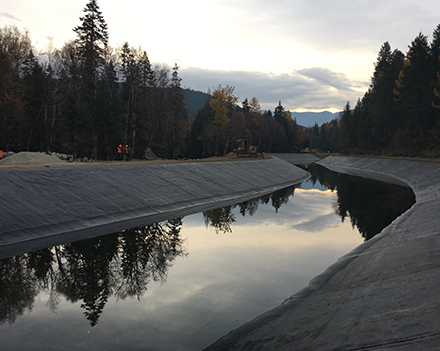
[
  {"x": 297, "y": 159},
  {"x": 381, "y": 296},
  {"x": 50, "y": 206}
]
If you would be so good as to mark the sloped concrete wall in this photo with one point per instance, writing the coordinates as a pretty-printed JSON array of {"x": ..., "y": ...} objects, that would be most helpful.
[
  {"x": 52, "y": 205},
  {"x": 381, "y": 296},
  {"x": 297, "y": 159}
]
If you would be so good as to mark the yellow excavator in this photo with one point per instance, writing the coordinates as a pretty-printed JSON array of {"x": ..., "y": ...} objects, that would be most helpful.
[{"x": 244, "y": 149}]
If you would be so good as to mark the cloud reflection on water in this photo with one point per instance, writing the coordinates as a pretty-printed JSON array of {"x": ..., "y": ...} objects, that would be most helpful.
[
  {"x": 309, "y": 211},
  {"x": 224, "y": 280}
]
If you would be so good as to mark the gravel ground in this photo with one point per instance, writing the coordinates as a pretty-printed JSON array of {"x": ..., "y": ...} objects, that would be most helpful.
[
  {"x": 40, "y": 160},
  {"x": 26, "y": 159}
]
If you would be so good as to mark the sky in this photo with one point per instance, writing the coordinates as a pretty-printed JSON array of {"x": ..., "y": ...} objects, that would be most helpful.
[{"x": 313, "y": 55}]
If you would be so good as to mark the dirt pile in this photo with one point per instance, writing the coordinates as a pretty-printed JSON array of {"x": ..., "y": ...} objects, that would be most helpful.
[{"x": 30, "y": 158}]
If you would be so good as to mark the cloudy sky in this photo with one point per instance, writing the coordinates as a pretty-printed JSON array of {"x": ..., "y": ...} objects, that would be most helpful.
[{"x": 310, "y": 54}]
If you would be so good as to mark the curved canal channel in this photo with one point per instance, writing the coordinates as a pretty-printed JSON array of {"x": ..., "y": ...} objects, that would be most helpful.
[{"x": 183, "y": 283}]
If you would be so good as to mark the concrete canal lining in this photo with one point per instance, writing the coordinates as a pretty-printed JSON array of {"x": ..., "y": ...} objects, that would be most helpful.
[
  {"x": 381, "y": 296},
  {"x": 41, "y": 207}
]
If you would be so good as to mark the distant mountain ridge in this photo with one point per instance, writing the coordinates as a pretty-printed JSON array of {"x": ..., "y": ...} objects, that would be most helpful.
[
  {"x": 195, "y": 100},
  {"x": 308, "y": 119}
]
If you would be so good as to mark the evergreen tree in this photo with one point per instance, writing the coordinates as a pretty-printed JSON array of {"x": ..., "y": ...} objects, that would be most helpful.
[
  {"x": 178, "y": 121},
  {"x": 42, "y": 98},
  {"x": 156, "y": 127},
  {"x": 434, "y": 134},
  {"x": 109, "y": 116},
  {"x": 377, "y": 120},
  {"x": 92, "y": 40},
  {"x": 197, "y": 143},
  {"x": 414, "y": 94},
  {"x": 279, "y": 113},
  {"x": 76, "y": 127},
  {"x": 146, "y": 100},
  {"x": 382, "y": 65},
  {"x": 132, "y": 82},
  {"x": 287, "y": 141},
  {"x": 346, "y": 140},
  {"x": 435, "y": 47},
  {"x": 33, "y": 97}
]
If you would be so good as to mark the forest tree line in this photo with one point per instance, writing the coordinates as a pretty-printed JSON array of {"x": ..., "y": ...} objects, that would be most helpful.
[
  {"x": 87, "y": 98},
  {"x": 400, "y": 112}
]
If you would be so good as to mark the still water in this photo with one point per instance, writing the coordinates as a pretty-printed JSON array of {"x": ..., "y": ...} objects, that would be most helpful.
[{"x": 183, "y": 283}]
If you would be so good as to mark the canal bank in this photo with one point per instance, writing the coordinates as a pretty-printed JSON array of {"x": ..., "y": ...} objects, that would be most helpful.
[
  {"x": 41, "y": 207},
  {"x": 380, "y": 296}
]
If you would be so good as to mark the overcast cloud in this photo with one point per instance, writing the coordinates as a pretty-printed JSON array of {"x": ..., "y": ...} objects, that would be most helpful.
[
  {"x": 311, "y": 55},
  {"x": 312, "y": 88}
]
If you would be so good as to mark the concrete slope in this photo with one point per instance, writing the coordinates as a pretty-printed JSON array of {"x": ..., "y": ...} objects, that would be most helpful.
[
  {"x": 381, "y": 296},
  {"x": 49, "y": 206},
  {"x": 297, "y": 159}
]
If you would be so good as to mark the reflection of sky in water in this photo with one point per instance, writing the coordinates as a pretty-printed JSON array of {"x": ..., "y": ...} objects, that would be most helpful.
[
  {"x": 267, "y": 258},
  {"x": 224, "y": 281}
]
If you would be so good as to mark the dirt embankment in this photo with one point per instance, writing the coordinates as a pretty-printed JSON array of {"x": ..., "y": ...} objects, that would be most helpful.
[
  {"x": 405, "y": 158},
  {"x": 23, "y": 160}
]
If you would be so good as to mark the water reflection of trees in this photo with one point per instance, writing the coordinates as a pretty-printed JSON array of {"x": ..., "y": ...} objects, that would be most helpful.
[
  {"x": 17, "y": 291},
  {"x": 122, "y": 265},
  {"x": 222, "y": 218},
  {"x": 370, "y": 205},
  {"x": 90, "y": 271}
]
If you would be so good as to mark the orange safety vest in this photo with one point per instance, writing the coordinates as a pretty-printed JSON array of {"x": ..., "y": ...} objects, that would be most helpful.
[
  {"x": 126, "y": 149},
  {"x": 119, "y": 149}
]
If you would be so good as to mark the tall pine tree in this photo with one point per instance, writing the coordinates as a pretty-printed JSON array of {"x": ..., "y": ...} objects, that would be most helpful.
[
  {"x": 178, "y": 116},
  {"x": 279, "y": 113},
  {"x": 414, "y": 95},
  {"x": 379, "y": 115},
  {"x": 92, "y": 42}
]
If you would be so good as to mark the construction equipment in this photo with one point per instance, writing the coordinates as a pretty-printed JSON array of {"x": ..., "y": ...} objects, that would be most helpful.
[{"x": 244, "y": 149}]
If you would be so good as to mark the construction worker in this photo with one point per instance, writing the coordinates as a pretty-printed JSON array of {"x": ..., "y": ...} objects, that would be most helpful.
[
  {"x": 119, "y": 153},
  {"x": 127, "y": 153}
]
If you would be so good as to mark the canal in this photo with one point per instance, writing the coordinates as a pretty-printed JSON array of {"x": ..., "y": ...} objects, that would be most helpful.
[{"x": 183, "y": 283}]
